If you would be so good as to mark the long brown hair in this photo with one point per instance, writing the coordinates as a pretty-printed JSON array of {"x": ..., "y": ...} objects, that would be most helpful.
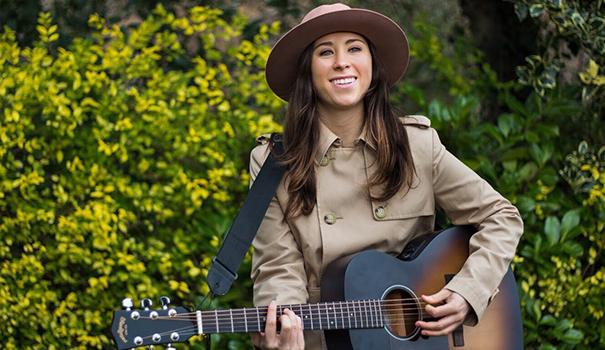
[{"x": 394, "y": 164}]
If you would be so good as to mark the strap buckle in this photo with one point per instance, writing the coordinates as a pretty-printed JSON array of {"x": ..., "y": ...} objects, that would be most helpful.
[{"x": 220, "y": 278}]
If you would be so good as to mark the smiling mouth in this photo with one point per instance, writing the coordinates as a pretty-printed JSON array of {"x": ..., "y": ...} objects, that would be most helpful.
[{"x": 343, "y": 81}]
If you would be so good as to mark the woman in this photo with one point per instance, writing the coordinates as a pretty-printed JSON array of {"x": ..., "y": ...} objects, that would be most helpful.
[{"x": 361, "y": 178}]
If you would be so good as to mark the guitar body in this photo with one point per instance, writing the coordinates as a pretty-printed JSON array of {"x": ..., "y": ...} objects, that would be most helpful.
[{"x": 427, "y": 267}]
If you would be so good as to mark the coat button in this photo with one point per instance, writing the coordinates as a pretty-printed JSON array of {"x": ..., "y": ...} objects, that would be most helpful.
[
  {"x": 324, "y": 161},
  {"x": 330, "y": 218},
  {"x": 380, "y": 212}
]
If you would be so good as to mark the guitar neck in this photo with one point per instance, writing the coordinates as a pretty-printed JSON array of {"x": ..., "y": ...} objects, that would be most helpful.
[{"x": 319, "y": 316}]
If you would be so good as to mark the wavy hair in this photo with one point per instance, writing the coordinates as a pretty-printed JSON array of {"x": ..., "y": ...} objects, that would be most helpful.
[{"x": 394, "y": 163}]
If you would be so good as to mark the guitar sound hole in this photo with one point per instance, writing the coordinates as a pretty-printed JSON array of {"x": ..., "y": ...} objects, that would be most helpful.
[{"x": 401, "y": 310}]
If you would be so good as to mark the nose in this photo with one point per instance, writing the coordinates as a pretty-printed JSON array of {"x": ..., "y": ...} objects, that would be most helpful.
[{"x": 341, "y": 61}]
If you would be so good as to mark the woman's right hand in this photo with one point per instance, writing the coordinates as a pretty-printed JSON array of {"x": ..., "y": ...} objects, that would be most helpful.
[{"x": 290, "y": 337}]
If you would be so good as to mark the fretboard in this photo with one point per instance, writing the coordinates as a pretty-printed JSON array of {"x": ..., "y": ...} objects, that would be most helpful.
[{"x": 320, "y": 316}]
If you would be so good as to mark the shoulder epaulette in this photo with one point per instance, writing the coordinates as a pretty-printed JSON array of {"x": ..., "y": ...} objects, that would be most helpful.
[
  {"x": 416, "y": 120},
  {"x": 263, "y": 139}
]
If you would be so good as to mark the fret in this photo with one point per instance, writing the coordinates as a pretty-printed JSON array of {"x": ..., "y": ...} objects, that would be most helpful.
[
  {"x": 342, "y": 314},
  {"x": 245, "y": 321},
  {"x": 216, "y": 319},
  {"x": 335, "y": 322},
  {"x": 379, "y": 302},
  {"x": 258, "y": 319},
  {"x": 358, "y": 309},
  {"x": 335, "y": 315},
  {"x": 329, "y": 324},
  {"x": 319, "y": 315},
  {"x": 231, "y": 319},
  {"x": 365, "y": 311},
  {"x": 348, "y": 314},
  {"x": 300, "y": 314},
  {"x": 327, "y": 315},
  {"x": 373, "y": 313},
  {"x": 239, "y": 320},
  {"x": 355, "y": 314},
  {"x": 360, "y": 313},
  {"x": 311, "y": 315}
]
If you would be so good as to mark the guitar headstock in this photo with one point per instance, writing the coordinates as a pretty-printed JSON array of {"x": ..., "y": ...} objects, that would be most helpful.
[{"x": 132, "y": 328}]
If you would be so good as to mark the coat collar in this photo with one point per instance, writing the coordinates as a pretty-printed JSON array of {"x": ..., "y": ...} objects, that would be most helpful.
[{"x": 328, "y": 139}]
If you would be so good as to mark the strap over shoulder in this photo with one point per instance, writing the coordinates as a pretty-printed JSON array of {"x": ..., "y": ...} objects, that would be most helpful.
[
  {"x": 227, "y": 261},
  {"x": 419, "y": 121}
]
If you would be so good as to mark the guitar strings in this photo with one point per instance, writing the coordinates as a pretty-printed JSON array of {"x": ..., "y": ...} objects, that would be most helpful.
[
  {"x": 192, "y": 330},
  {"x": 319, "y": 314},
  {"x": 326, "y": 316},
  {"x": 389, "y": 303},
  {"x": 338, "y": 308},
  {"x": 338, "y": 317},
  {"x": 373, "y": 318}
]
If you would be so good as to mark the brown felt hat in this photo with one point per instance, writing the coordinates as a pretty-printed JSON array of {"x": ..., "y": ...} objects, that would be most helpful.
[{"x": 388, "y": 38}]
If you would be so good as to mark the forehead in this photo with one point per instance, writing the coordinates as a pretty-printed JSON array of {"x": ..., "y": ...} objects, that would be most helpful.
[{"x": 338, "y": 37}]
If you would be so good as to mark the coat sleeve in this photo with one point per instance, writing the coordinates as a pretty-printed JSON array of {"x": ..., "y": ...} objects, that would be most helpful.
[
  {"x": 467, "y": 199},
  {"x": 277, "y": 263}
]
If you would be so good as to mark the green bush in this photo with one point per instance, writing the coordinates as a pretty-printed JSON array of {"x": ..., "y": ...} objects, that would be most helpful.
[
  {"x": 122, "y": 161},
  {"x": 529, "y": 151}
]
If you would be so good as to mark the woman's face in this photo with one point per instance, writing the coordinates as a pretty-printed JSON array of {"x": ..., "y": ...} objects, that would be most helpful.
[{"x": 341, "y": 68}]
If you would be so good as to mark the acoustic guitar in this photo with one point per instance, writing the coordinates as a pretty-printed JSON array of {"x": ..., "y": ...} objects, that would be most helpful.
[{"x": 368, "y": 301}]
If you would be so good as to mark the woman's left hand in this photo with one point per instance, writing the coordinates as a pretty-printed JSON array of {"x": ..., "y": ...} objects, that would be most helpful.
[{"x": 450, "y": 311}]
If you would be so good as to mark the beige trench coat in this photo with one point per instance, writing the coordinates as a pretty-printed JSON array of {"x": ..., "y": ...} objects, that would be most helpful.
[{"x": 289, "y": 257}]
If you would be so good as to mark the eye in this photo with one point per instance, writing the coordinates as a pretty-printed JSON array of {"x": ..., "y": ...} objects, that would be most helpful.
[
  {"x": 355, "y": 49},
  {"x": 325, "y": 52}
]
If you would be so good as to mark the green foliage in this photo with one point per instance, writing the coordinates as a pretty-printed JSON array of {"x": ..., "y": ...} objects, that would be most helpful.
[
  {"x": 122, "y": 161},
  {"x": 572, "y": 30},
  {"x": 527, "y": 152}
]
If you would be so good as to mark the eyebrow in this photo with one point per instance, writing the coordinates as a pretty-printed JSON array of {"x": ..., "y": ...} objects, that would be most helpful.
[{"x": 330, "y": 43}]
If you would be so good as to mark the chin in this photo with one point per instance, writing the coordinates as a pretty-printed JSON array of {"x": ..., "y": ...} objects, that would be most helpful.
[{"x": 345, "y": 103}]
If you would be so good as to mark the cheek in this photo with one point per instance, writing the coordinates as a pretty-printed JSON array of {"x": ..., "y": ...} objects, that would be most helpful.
[
  {"x": 367, "y": 71},
  {"x": 315, "y": 75}
]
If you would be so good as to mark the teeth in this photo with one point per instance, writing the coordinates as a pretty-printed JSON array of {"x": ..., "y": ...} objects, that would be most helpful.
[{"x": 343, "y": 81}]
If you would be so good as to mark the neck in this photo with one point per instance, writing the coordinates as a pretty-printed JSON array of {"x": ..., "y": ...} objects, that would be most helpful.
[{"x": 344, "y": 123}]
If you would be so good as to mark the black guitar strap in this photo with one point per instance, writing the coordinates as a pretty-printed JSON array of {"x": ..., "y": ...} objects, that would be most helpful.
[{"x": 227, "y": 261}]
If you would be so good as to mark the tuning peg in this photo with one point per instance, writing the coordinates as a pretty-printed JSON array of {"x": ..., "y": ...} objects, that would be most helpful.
[
  {"x": 127, "y": 304},
  {"x": 146, "y": 303},
  {"x": 169, "y": 347},
  {"x": 165, "y": 301}
]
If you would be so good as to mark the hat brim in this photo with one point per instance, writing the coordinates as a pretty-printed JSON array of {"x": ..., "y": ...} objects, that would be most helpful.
[{"x": 388, "y": 38}]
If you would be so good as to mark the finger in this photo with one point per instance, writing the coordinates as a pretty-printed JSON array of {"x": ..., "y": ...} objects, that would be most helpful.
[
  {"x": 290, "y": 337},
  {"x": 271, "y": 324},
  {"x": 442, "y": 310},
  {"x": 285, "y": 334},
  {"x": 300, "y": 339},
  {"x": 442, "y": 327},
  {"x": 438, "y": 297}
]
